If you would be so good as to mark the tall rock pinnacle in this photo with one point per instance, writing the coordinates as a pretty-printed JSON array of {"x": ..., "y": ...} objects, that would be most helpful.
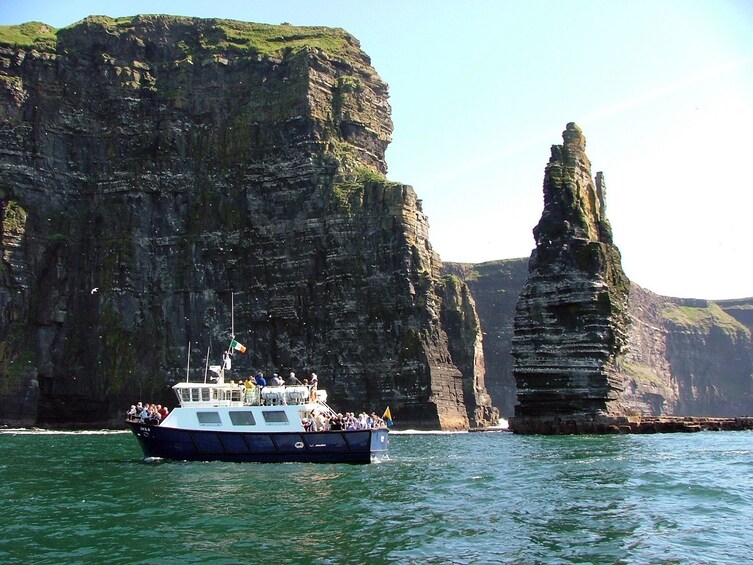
[{"x": 571, "y": 317}]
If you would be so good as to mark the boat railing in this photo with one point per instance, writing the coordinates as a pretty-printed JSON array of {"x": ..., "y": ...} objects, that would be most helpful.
[
  {"x": 278, "y": 395},
  {"x": 232, "y": 394}
]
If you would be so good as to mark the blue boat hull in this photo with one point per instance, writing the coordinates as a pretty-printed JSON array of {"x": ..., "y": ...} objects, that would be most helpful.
[{"x": 346, "y": 446}]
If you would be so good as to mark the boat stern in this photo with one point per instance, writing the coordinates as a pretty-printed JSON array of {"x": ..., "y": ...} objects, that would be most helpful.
[{"x": 380, "y": 440}]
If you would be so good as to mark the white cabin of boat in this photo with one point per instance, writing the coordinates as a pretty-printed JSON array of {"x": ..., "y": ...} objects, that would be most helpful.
[{"x": 234, "y": 407}]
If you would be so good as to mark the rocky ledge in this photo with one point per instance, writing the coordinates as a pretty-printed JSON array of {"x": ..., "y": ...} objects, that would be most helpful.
[{"x": 580, "y": 424}]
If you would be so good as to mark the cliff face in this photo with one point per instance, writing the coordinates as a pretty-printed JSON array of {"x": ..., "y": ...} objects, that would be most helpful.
[
  {"x": 153, "y": 167},
  {"x": 682, "y": 357},
  {"x": 687, "y": 358},
  {"x": 571, "y": 316},
  {"x": 495, "y": 287}
]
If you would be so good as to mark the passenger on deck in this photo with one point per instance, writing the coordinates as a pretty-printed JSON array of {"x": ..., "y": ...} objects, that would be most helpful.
[
  {"x": 154, "y": 416},
  {"x": 377, "y": 422},
  {"x": 363, "y": 421},
  {"x": 275, "y": 380},
  {"x": 350, "y": 421},
  {"x": 131, "y": 414},
  {"x": 336, "y": 422},
  {"x": 260, "y": 380},
  {"x": 313, "y": 384},
  {"x": 321, "y": 422},
  {"x": 313, "y": 423},
  {"x": 292, "y": 380}
]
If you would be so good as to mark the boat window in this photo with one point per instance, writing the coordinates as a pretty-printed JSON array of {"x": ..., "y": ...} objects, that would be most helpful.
[
  {"x": 209, "y": 418},
  {"x": 275, "y": 417},
  {"x": 244, "y": 418},
  {"x": 185, "y": 394},
  {"x": 195, "y": 394},
  {"x": 205, "y": 395}
]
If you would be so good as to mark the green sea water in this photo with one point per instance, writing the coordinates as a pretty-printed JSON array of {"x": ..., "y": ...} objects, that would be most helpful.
[{"x": 440, "y": 498}]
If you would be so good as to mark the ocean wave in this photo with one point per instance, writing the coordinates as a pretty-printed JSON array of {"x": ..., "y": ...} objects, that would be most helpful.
[{"x": 42, "y": 431}]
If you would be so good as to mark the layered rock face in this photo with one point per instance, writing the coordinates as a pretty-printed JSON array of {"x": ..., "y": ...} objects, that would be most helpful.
[
  {"x": 153, "y": 170},
  {"x": 495, "y": 287},
  {"x": 686, "y": 357},
  {"x": 682, "y": 357},
  {"x": 571, "y": 318}
]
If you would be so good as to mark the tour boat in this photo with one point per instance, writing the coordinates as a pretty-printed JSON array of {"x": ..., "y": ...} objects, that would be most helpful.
[
  {"x": 229, "y": 422},
  {"x": 221, "y": 421}
]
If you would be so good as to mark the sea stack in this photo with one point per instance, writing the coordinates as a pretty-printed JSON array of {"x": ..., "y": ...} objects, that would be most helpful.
[{"x": 571, "y": 317}]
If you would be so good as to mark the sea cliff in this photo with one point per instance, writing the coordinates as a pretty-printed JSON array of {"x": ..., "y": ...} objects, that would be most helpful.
[
  {"x": 683, "y": 357},
  {"x": 155, "y": 170}
]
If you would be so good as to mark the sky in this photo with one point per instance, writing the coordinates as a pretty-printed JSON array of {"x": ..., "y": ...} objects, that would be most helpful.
[{"x": 480, "y": 90}]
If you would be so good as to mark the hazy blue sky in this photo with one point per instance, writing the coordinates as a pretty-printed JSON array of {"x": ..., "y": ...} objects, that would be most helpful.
[{"x": 480, "y": 90}]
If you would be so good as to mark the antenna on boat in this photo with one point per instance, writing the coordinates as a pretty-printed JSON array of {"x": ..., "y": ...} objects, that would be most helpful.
[
  {"x": 206, "y": 367},
  {"x": 226, "y": 356},
  {"x": 232, "y": 315},
  {"x": 188, "y": 360}
]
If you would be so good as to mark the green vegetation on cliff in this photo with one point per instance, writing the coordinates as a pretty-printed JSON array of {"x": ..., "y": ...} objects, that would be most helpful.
[
  {"x": 30, "y": 34},
  {"x": 272, "y": 40},
  {"x": 216, "y": 35},
  {"x": 702, "y": 317},
  {"x": 242, "y": 38},
  {"x": 644, "y": 374},
  {"x": 14, "y": 218},
  {"x": 346, "y": 193}
]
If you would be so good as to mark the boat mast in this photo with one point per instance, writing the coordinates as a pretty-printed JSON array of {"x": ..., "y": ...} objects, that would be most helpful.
[
  {"x": 232, "y": 316},
  {"x": 206, "y": 366},
  {"x": 188, "y": 360},
  {"x": 226, "y": 356}
]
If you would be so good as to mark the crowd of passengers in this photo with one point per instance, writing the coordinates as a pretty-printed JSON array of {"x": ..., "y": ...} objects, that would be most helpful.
[
  {"x": 277, "y": 380},
  {"x": 349, "y": 421},
  {"x": 259, "y": 381},
  {"x": 147, "y": 413}
]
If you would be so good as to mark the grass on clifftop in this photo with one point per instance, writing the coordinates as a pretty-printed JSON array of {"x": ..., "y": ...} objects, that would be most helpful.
[
  {"x": 30, "y": 34},
  {"x": 223, "y": 36},
  {"x": 705, "y": 318},
  {"x": 215, "y": 35},
  {"x": 273, "y": 39}
]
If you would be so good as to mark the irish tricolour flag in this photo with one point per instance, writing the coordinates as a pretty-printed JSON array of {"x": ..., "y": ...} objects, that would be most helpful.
[{"x": 237, "y": 346}]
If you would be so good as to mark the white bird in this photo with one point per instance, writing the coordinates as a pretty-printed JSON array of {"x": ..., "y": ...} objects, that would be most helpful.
[{"x": 95, "y": 289}]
